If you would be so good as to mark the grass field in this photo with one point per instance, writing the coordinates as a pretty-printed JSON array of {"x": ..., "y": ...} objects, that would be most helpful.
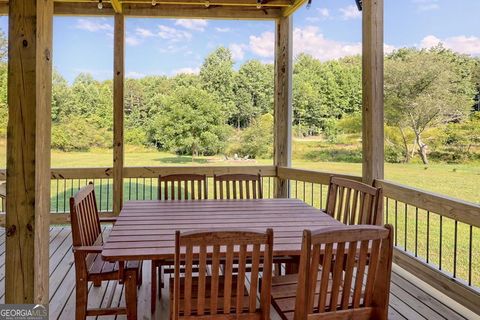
[
  {"x": 460, "y": 181},
  {"x": 414, "y": 230}
]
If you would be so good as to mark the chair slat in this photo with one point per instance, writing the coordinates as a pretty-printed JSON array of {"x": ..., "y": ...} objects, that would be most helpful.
[
  {"x": 364, "y": 207},
  {"x": 240, "y": 188},
  {"x": 348, "y": 253},
  {"x": 215, "y": 279}
]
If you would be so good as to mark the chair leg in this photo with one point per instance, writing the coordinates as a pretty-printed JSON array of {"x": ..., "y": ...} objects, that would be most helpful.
[
  {"x": 81, "y": 302},
  {"x": 153, "y": 292},
  {"x": 131, "y": 295}
]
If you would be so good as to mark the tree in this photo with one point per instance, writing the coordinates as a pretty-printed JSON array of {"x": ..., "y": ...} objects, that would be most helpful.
[
  {"x": 257, "y": 140},
  {"x": 217, "y": 77},
  {"x": 426, "y": 88},
  {"x": 191, "y": 122},
  {"x": 253, "y": 92}
]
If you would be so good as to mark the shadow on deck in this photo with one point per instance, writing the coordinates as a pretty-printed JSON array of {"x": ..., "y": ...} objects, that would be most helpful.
[{"x": 409, "y": 297}]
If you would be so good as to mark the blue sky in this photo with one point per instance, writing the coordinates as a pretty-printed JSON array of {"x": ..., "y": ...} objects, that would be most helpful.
[{"x": 329, "y": 29}]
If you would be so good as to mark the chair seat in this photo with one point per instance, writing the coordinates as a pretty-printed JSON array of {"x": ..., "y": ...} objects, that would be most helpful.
[
  {"x": 106, "y": 270},
  {"x": 220, "y": 300},
  {"x": 284, "y": 291}
]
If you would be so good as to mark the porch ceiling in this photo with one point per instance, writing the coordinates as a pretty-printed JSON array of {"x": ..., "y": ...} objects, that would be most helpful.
[{"x": 213, "y": 9}]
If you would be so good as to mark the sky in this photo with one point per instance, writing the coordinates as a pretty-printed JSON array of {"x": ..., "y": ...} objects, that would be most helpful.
[{"x": 328, "y": 29}]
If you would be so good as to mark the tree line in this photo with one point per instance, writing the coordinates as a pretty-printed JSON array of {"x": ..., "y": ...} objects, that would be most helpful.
[{"x": 429, "y": 106}]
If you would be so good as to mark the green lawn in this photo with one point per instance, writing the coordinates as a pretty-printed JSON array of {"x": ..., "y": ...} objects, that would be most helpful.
[{"x": 457, "y": 180}]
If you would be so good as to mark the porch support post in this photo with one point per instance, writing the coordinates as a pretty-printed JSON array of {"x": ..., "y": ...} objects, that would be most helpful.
[
  {"x": 372, "y": 83},
  {"x": 28, "y": 151},
  {"x": 283, "y": 101},
  {"x": 118, "y": 87}
]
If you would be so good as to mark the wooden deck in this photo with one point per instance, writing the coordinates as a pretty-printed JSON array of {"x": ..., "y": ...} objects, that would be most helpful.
[{"x": 407, "y": 299}]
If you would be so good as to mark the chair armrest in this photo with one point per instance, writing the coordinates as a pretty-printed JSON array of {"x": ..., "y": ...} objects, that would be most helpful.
[
  {"x": 88, "y": 249},
  {"x": 108, "y": 219}
]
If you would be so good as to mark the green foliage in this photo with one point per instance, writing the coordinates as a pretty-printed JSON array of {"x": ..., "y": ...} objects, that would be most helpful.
[
  {"x": 217, "y": 77},
  {"x": 78, "y": 134},
  {"x": 191, "y": 122},
  {"x": 427, "y": 88},
  {"x": 257, "y": 140},
  {"x": 351, "y": 123}
]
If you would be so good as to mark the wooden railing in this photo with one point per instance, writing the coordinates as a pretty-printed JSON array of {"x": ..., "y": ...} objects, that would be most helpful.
[
  {"x": 437, "y": 238},
  {"x": 140, "y": 183}
]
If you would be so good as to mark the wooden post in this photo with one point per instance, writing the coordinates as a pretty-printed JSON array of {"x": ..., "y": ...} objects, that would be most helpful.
[
  {"x": 372, "y": 82},
  {"x": 283, "y": 101},
  {"x": 28, "y": 151},
  {"x": 118, "y": 85}
]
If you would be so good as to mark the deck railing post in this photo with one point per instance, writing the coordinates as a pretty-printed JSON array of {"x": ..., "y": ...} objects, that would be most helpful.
[
  {"x": 372, "y": 84},
  {"x": 28, "y": 151},
  {"x": 283, "y": 101},
  {"x": 118, "y": 100}
]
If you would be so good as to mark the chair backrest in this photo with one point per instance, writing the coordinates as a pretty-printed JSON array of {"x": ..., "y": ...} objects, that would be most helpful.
[
  {"x": 84, "y": 218},
  {"x": 231, "y": 249},
  {"x": 237, "y": 186},
  {"x": 353, "y": 202},
  {"x": 353, "y": 264},
  {"x": 182, "y": 187}
]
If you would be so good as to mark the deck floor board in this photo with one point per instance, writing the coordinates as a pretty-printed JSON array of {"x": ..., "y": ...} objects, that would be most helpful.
[{"x": 407, "y": 300}]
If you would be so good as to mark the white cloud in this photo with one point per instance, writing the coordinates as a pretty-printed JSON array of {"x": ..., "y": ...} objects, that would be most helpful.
[
  {"x": 192, "y": 24},
  {"x": 144, "y": 33},
  {"x": 350, "y": 12},
  {"x": 426, "y": 5},
  {"x": 263, "y": 45},
  {"x": 238, "y": 51},
  {"x": 388, "y": 48},
  {"x": 321, "y": 14},
  {"x": 223, "y": 29},
  {"x": 135, "y": 75},
  {"x": 308, "y": 40},
  {"x": 186, "y": 71},
  {"x": 462, "y": 44},
  {"x": 93, "y": 25},
  {"x": 132, "y": 41},
  {"x": 169, "y": 33}
]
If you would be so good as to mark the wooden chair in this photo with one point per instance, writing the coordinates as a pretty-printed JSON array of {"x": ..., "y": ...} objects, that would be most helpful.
[
  {"x": 344, "y": 274},
  {"x": 175, "y": 187},
  {"x": 222, "y": 296},
  {"x": 353, "y": 202},
  {"x": 237, "y": 186},
  {"x": 182, "y": 187},
  {"x": 89, "y": 266}
]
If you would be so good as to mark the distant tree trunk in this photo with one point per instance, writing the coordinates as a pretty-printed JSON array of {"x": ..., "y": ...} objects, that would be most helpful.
[
  {"x": 422, "y": 148},
  {"x": 405, "y": 145}
]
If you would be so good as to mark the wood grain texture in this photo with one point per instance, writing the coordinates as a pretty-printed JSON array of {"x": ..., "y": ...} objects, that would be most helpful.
[
  {"x": 282, "y": 132},
  {"x": 118, "y": 114},
  {"x": 28, "y": 155},
  {"x": 455, "y": 209},
  {"x": 313, "y": 176},
  {"x": 145, "y": 229},
  {"x": 372, "y": 91}
]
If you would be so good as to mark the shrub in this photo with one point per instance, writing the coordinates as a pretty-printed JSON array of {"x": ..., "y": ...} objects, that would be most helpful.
[
  {"x": 136, "y": 136},
  {"x": 350, "y": 124},
  {"x": 256, "y": 141},
  {"x": 78, "y": 134}
]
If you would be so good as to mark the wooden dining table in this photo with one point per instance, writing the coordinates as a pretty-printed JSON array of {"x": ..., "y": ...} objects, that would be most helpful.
[{"x": 145, "y": 230}]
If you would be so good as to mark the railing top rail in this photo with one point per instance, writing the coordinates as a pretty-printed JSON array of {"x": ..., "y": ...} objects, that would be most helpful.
[
  {"x": 312, "y": 176},
  {"x": 153, "y": 172},
  {"x": 460, "y": 210}
]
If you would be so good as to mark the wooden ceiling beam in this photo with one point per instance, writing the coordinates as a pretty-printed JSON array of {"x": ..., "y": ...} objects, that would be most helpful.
[
  {"x": 296, "y": 5},
  {"x": 117, "y": 6},
  {"x": 170, "y": 11},
  {"x": 238, "y": 3}
]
